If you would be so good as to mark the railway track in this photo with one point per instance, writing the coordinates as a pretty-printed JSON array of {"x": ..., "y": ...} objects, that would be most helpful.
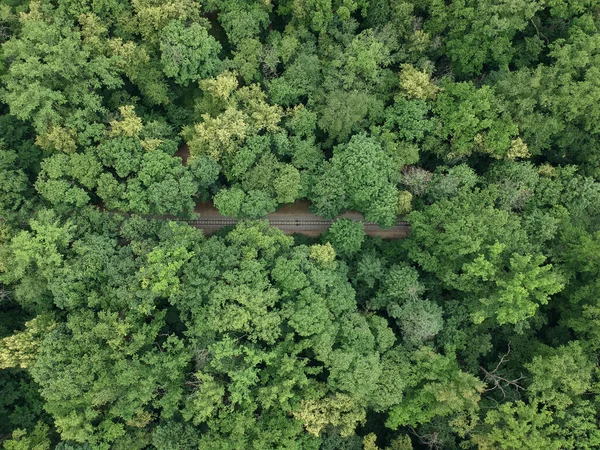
[
  {"x": 288, "y": 223},
  {"x": 310, "y": 227}
]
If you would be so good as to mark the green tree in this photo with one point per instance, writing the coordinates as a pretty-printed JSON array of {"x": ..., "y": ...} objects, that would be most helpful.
[
  {"x": 419, "y": 320},
  {"x": 434, "y": 380},
  {"x": 364, "y": 175},
  {"x": 558, "y": 379},
  {"x": 339, "y": 411},
  {"x": 477, "y": 249},
  {"x": 346, "y": 236},
  {"x": 556, "y": 104},
  {"x": 519, "y": 426},
  {"x": 175, "y": 436},
  {"x": 229, "y": 201},
  {"x": 241, "y": 113},
  {"x": 473, "y": 120},
  {"x": 287, "y": 184},
  {"x": 241, "y": 20},
  {"x": 37, "y": 439},
  {"x": 14, "y": 184},
  {"x": 480, "y": 33},
  {"x": 188, "y": 53},
  {"x": 56, "y": 77}
]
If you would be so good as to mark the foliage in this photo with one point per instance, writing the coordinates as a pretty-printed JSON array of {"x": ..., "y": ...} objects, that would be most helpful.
[
  {"x": 188, "y": 54},
  {"x": 472, "y": 119},
  {"x": 465, "y": 241},
  {"x": 346, "y": 236},
  {"x": 364, "y": 175},
  {"x": 122, "y": 327}
]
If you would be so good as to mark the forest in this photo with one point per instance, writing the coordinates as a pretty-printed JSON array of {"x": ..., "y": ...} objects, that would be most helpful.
[{"x": 123, "y": 327}]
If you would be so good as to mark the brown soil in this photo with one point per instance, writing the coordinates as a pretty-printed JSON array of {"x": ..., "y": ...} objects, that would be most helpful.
[
  {"x": 184, "y": 153},
  {"x": 293, "y": 218}
]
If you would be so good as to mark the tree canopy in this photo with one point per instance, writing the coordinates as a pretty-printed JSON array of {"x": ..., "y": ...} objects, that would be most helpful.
[{"x": 124, "y": 327}]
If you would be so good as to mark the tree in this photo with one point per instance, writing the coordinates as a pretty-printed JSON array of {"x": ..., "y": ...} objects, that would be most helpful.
[
  {"x": 240, "y": 114},
  {"x": 287, "y": 184},
  {"x": 56, "y": 77},
  {"x": 257, "y": 204},
  {"x": 538, "y": 99},
  {"x": 329, "y": 195},
  {"x": 247, "y": 59},
  {"x": 473, "y": 121},
  {"x": 205, "y": 172},
  {"x": 471, "y": 41},
  {"x": 339, "y": 411},
  {"x": 399, "y": 284},
  {"x": 407, "y": 120},
  {"x": 404, "y": 202},
  {"x": 366, "y": 174},
  {"x": 175, "y": 436},
  {"x": 519, "y": 426},
  {"x": 14, "y": 184},
  {"x": 241, "y": 20},
  {"x": 436, "y": 381},
  {"x": 416, "y": 84},
  {"x": 346, "y": 236},
  {"x": 318, "y": 15},
  {"x": 260, "y": 306},
  {"x": 38, "y": 439},
  {"x": 126, "y": 382},
  {"x": 122, "y": 327},
  {"x": 229, "y": 201},
  {"x": 188, "y": 53},
  {"x": 56, "y": 181},
  {"x": 149, "y": 17},
  {"x": 301, "y": 78},
  {"x": 362, "y": 60},
  {"x": 94, "y": 281},
  {"x": 490, "y": 257},
  {"x": 419, "y": 320},
  {"x": 559, "y": 378},
  {"x": 346, "y": 113},
  {"x": 35, "y": 255},
  {"x": 20, "y": 349}
]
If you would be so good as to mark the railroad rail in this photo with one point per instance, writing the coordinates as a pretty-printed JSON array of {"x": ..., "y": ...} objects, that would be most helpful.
[
  {"x": 282, "y": 222},
  {"x": 310, "y": 226}
]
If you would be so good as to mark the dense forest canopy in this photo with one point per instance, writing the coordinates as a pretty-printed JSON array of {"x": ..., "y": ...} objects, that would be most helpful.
[{"x": 477, "y": 121}]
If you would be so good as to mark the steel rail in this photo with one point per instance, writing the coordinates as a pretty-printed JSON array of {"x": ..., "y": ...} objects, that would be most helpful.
[
  {"x": 286, "y": 222},
  {"x": 298, "y": 225}
]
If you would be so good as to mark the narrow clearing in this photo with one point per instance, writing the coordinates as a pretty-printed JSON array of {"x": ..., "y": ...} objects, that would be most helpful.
[{"x": 294, "y": 218}]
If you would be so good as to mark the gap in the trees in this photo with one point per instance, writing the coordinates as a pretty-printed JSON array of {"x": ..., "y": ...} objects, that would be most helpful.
[{"x": 294, "y": 218}]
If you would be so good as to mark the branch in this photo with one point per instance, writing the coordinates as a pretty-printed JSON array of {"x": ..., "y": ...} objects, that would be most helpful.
[{"x": 497, "y": 381}]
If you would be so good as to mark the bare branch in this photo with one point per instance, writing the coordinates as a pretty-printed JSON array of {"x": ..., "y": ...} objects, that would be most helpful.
[
  {"x": 431, "y": 440},
  {"x": 497, "y": 381}
]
